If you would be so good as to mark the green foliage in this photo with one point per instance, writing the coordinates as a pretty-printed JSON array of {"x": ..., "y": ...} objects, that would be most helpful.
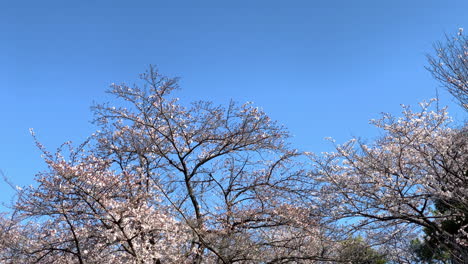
[
  {"x": 357, "y": 251},
  {"x": 430, "y": 249}
]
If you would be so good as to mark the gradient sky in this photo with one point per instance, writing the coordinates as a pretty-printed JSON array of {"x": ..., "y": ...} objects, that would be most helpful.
[{"x": 321, "y": 68}]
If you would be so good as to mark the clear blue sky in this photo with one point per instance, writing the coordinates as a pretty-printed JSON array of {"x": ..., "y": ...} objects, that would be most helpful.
[{"x": 322, "y": 68}]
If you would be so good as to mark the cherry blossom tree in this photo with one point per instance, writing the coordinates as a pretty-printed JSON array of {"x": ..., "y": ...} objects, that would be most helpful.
[
  {"x": 226, "y": 171},
  {"x": 162, "y": 182},
  {"x": 389, "y": 188},
  {"x": 450, "y": 66}
]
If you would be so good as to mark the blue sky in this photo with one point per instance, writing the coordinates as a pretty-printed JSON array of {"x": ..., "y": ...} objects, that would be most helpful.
[{"x": 322, "y": 68}]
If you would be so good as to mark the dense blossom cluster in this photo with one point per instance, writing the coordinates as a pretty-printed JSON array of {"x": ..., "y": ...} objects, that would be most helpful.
[
  {"x": 84, "y": 212},
  {"x": 395, "y": 182}
]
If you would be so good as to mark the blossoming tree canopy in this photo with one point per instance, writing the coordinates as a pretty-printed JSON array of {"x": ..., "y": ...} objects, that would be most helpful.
[
  {"x": 164, "y": 182},
  {"x": 396, "y": 181}
]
